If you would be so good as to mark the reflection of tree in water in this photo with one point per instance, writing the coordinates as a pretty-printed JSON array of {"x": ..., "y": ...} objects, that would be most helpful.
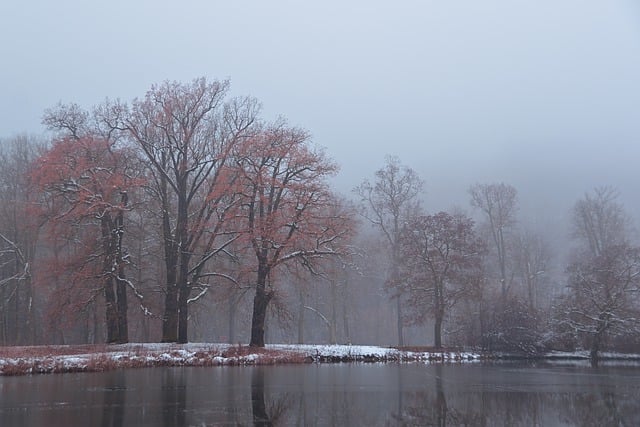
[
  {"x": 114, "y": 399},
  {"x": 344, "y": 395},
  {"x": 258, "y": 405},
  {"x": 273, "y": 414},
  {"x": 435, "y": 412},
  {"x": 511, "y": 407},
  {"x": 599, "y": 409},
  {"x": 318, "y": 400},
  {"x": 435, "y": 408},
  {"x": 441, "y": 401},
  {"x": 174, "y": 397},
  {"x": 444, "y": 404},
  {"x": 430, "y": 407}
]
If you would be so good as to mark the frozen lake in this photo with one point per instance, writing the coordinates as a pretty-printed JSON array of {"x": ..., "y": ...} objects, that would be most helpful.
[{"x": 341, "y": 395}]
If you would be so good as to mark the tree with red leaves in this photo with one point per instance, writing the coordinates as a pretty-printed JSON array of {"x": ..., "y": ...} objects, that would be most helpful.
[
  {"x": 439, "y": 255},
  {"x": 189, "y": 133},
  {"x": 289, "y": 213},
  {"x": 84, "y": 184}
]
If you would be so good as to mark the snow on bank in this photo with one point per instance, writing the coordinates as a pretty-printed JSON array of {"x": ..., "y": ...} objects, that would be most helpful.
[
  {"x": 359, "y": 353},
  {"x": 32, "y": 360}
]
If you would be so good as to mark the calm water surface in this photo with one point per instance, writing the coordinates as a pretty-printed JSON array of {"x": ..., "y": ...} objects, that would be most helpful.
[{"x": 326, "y": 395}]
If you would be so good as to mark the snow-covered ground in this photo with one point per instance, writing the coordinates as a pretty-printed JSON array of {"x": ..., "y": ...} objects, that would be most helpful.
[
  {"x": 54, "y": 359},
  {"x": 372, "y": 353},
  {"x": 71, "y": 359}
]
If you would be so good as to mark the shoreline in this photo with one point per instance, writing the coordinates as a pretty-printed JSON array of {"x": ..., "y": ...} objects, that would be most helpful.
[{"x": 99, "y": 358}]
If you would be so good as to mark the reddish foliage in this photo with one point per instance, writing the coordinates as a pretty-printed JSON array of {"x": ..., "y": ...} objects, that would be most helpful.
[
  {"x": 82, "y": 178},
  {"x": 83, "y": 185},
  {"x": 289, "y": 213},
  {"x": 441, "y": 256}
]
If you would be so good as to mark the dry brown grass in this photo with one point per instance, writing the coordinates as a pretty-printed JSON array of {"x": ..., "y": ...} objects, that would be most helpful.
[
  {"x": 53, "y": 350},
  {"x": 99, "y": 358},
  {"x": 264, "y": 356}
]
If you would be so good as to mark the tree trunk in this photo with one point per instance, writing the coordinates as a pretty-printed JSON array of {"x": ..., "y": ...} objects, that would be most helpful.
[
  {"x": 503, "y": 267},
  {"x": 345, "y": 312},
  {"x": 334, "y": 314},
  {"x": 595, "y": 348},
  {"x": 232, "y": 319},
  {"x": 30, "y": 337},
  {"x": 184, "y": 289},
  {"x": 437, "y": 331},
  {"x": 260, "y": 303},
  {"x": 109, "y": 253},
  {"x": 123, "y": 323},
  {"x": 95, "y": 324},
  {"x": 301, "y": 310},
  {"x": 439, "y": 314},
  {"x": 258, "y": 406},
  {"x": 120, "y": 281},
  {"x": 170, "y": 317},
  {"x": 183, "y": 315},
  {"x": 111, "y": 311},
  {"x": 400, "y": 322}
]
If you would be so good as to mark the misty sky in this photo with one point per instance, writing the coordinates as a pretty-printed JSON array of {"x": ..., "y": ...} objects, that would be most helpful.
[{"x": 542, "y": 94}]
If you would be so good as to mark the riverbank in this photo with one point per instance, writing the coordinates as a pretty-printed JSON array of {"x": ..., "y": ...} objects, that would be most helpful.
[{"x": 97, "y": 358}]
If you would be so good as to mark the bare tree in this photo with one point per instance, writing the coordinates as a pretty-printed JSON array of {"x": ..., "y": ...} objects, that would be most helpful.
[
  {"x": 327, "y": 300},
  {"x": 289, "y": 214},
  {"x": 70, "y": 120},
  {"x": 532, "y": 258},
  {"x": 498, "y": 202},
  {"x": 441, "y": 259},
  {"x": 605, "y": 275},
  {"x": 188, "y": 133},
  {"x": 599, "y": 220},
  {"x": 388, "y": 203},
  {"x": 18, "y": 241},
  {"x": 603, "y": 297}
]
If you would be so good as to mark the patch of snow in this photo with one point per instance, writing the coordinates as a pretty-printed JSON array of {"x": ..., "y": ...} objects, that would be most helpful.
[
  {"x": 251, "y": 358},
  {"x": 342, "y": 351}
]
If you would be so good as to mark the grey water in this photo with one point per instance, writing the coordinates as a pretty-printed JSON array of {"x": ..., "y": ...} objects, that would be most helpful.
[{"x": 329, "y": 395}]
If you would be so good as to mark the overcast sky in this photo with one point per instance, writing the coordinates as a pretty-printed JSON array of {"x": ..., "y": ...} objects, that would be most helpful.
[{"x": 541, "y": 94}]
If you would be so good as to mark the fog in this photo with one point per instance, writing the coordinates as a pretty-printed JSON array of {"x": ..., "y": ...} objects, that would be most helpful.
[{"x": 542, "y": 95}]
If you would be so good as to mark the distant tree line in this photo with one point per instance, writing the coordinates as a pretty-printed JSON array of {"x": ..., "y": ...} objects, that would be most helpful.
[
  {"x": 492, "y": 285},
  {"x": 183, "y": 215}
]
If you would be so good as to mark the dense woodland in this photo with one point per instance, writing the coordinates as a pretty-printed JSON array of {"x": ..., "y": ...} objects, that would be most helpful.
[{"x": 183, "y": 215}]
